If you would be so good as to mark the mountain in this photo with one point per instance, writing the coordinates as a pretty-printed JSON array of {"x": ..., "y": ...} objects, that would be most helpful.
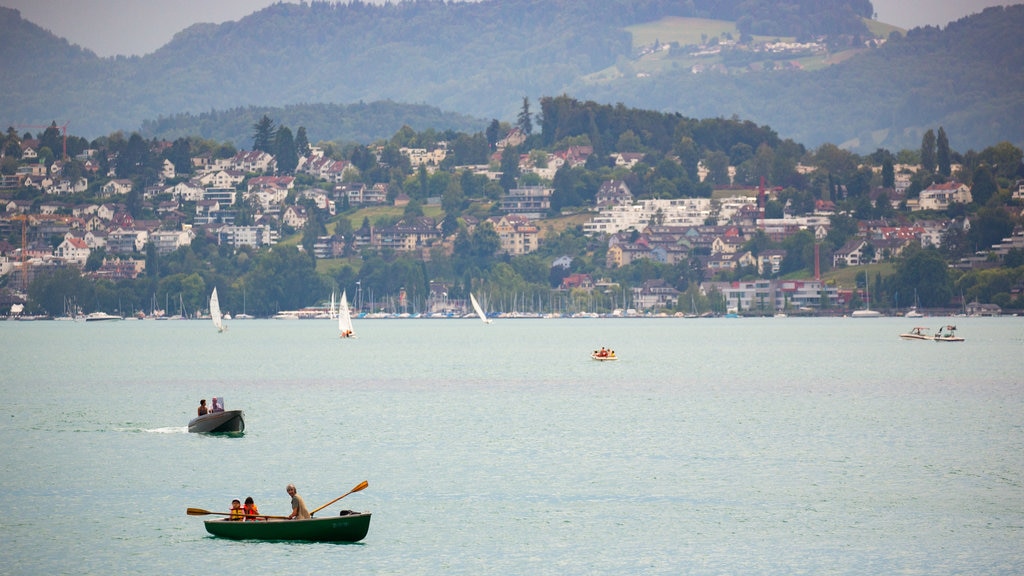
[{"x": 479, "y": 59}]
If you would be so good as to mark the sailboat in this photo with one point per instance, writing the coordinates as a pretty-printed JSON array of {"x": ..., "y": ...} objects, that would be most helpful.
[
  {"x": 345, "y": 319},
  {"x": 478, "y": 309},
  {"x": 218, "y": 319},
  {"x": 914, "y": 312},
  {"x": 867, "y": 312}
]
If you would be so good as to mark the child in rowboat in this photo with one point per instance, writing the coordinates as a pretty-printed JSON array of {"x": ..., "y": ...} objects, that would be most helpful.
[
  {"x": 236, "y": 510},
  {"x": 250, "y": 510}
]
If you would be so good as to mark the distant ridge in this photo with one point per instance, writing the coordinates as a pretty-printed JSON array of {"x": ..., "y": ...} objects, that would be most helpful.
[
  {"x": 479, "y": 59},
  {"x": 360, "y": 122}
]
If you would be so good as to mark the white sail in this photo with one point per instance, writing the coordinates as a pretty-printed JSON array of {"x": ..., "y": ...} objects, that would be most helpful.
[
  {"x": 345, "y": 318},
  {"x": 479, "y": 310},
  {"x": 215, "y": 311}
]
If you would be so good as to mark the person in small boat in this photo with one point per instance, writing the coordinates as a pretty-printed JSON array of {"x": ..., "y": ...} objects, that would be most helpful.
[
  {"x": 250, "y": 509},
  {"x": 217, "y": 407},
  {"x": 299, "y": 511},
  {"x": 603, "y": 353},
  {"x": 202, "y": 407},
  {"x": 236, "y": 510}
]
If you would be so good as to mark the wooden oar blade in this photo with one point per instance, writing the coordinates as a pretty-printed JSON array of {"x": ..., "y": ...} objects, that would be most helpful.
[
  {"x": 198, "y": 512},
  {"x": 358, "y": 487}
]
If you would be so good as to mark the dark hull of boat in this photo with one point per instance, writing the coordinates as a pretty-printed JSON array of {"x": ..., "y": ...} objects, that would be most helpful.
[
  {"x": 218, "y": 422},
  {"x": 350, "y": 528}
]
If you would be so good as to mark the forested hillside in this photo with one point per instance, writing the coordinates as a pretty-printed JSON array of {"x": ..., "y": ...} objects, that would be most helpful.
[{"x": 480, "y": 58}]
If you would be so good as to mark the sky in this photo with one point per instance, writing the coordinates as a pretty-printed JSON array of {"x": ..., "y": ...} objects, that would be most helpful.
[{"x": 138, "y": 27}]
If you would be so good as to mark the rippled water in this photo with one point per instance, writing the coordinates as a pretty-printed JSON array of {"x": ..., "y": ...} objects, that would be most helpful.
[{"x": 714, "y": 446}]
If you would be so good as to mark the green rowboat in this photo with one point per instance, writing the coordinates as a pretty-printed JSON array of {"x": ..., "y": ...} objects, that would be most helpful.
[{"x": 348, "y": 528}]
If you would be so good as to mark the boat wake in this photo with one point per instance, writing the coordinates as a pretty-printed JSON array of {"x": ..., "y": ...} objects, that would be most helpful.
[{"x": 169, "y": 430}]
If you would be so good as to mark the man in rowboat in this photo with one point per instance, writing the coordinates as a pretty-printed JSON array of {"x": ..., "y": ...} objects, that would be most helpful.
[{"x": 299, "y": 511}]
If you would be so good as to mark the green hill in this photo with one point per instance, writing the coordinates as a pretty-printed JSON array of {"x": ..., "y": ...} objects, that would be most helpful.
[{"x": 856, "y": 86}]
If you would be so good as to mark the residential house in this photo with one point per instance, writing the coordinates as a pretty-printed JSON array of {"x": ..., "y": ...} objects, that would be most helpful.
[
  {"x": 564, "y": 262},
  {"x": 408, "y": 236},
  {"x": 940, "y": 196},
  {"x": 613, "y": 193},
  {"x": 655, "y": 294},
  {"x": 220, "y": 179},
  {"x": 108, "y": 211},
  {"x": 518, "y": 234},
  {"x": 191, "y": 191},
  {"x": 167, "y": 170},
  {"x": 851, "y": 253},
  {"x": 422, "y": 157},
  {"x": 253, "y": 162},
  {"x": 73, "y": 250},
  {"x": 581, "y": 281},
  {"x": 167, "y": 241},
  {"x": 255, "y": 236},
  {"x": 126, "y": 241},
  {"x": 770, "y": 262},
  {"x": 117, "y": 187},
  {"x": 529, "y": 201},
  {"x": 627, "y": 159},
  {"x": 295, "y": 216},
  {"x": 321, "y": 199}
]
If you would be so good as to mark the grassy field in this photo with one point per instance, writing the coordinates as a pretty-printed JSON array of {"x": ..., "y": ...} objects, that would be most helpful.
[
  {"x": 682, "y": 30},
  {"x": 845, "y": 277}
]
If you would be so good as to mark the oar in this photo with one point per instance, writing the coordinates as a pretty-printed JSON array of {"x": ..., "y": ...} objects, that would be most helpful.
[
  {"x": 201, "y": 512},
  {"x": 358, "y": 487}
]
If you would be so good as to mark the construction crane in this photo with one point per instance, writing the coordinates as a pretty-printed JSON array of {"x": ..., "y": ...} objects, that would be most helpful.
[
  {"x": 63, "y": 129},
  {"x": 24, "y": 248}
]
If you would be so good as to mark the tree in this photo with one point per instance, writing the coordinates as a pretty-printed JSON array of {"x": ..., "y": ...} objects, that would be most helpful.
[
  {"x": 263, "y": 135},
  {"x": 942, "y": 153},
  {"x": 492, "y": 134},
  {"x": 523, "y": 120},
  {"x": 888, "y": 174},
  {"x": 287, "y": 156},
  {"x": 509, "y": 167},
  {"x": 925, "y": 271},
  {"x": 302, "y": 146},
  {"x": 984, "y": 185},
  {"x": 718, "y": 168},
  {"x": 928, "y": 159}
]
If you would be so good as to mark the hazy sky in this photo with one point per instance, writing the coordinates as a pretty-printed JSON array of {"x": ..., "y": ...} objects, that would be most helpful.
[{"x": 110, "y": 27}]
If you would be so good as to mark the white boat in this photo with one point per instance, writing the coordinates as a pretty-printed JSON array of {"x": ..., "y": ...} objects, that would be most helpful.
[
  {"x": 867, "y": 312},
  {"x": 917, "y": 333},
  {"x": 215, "y": 315},
  {"x": 604, "y": 355},
  {"x": 478, "y": 309},
  {"x": 100, "y": 316},
  {"x": 345, "y": 329},
  {"x": 948, "y": 334},
  {"x": 913, "y": 312}
]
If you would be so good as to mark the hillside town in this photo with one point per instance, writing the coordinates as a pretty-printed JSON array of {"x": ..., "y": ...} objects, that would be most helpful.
[{"x": 57, "y": 217}]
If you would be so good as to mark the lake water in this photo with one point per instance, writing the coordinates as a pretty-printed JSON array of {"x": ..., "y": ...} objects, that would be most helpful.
[{"x": 713, "y": 446}]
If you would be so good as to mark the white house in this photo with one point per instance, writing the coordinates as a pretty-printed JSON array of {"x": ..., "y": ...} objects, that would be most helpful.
[
  {"x": 940, "y": 196},
  {"x": 119, "y": 186},
  {"x": 73, "y": 250}
]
